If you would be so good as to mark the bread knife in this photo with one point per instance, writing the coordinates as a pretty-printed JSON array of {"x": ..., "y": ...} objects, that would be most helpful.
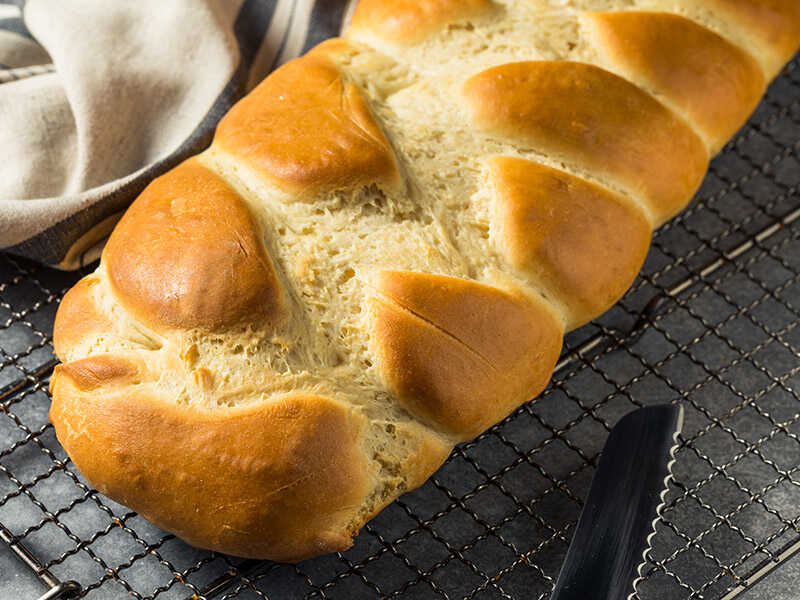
[{"x": 607, "y": 551}]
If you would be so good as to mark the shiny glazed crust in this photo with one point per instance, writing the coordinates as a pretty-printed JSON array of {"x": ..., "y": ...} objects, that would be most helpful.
[
  {"x": 276, "y": 129},
  {"x": 276, "y": 478},
  {"x": 411, "y": 21},
  {"x": 591, "y": 118},
  {"x": 194, "y": 224},
  {"x": 380, "y": 252},
  {"x": 711, "y": 82}
]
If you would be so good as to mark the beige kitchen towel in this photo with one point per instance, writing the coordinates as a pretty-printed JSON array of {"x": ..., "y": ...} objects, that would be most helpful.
[{"x": 97, "y": 98}]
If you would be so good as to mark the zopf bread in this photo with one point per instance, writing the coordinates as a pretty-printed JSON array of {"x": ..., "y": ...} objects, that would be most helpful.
[{"x": 380, "y": 252}]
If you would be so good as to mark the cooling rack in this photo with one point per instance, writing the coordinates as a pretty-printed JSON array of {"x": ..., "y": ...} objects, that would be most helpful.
[{"x": 712, "y": 323}]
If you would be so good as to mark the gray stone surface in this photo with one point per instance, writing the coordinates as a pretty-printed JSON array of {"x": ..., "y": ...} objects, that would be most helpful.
[
  {"x": 783, "y": 583},
  {"x": 17, "y": 581}
]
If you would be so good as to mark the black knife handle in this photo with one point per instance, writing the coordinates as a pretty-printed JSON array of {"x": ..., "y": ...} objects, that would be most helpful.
[{"x": 612, "y": 534}]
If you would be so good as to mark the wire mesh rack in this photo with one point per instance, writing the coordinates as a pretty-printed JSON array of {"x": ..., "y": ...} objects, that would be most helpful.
[{"x": 712, "y": 323}]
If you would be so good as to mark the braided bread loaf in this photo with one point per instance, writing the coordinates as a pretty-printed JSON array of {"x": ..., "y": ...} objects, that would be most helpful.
[{"x": 379, "y": 254}]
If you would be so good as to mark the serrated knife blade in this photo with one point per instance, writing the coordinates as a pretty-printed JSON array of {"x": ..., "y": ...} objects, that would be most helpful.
[{"x": 619, "y": 515}]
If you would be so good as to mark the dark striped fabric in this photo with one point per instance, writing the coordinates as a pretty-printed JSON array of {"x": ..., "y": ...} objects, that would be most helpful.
[{"x": 60, "y": 226}]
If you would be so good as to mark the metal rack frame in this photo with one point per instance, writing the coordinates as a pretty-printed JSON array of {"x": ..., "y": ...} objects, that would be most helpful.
[{"x": 712, "y": 323}]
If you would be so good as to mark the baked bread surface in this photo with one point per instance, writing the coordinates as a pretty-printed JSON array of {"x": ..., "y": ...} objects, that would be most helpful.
[{"x": 379, "y": 254}]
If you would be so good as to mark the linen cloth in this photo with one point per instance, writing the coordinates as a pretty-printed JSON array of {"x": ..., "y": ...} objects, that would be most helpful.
[{"x": 99, "y": 97}]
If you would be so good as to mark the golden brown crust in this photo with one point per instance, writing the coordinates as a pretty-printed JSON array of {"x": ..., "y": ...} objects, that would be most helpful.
[
  {"x": 205, "y": 265},
  {"x": 411, "y": 21},
  {"x": 581, "y": 241},
  {"x": 77, "y": 318},
  {"x": 599, "y": 121},
  {"x": 306, "y": 129},
  {"x": 772, "y": 25},
  {"x": 93, "y": 372},
  {"x": 279, "y": 480},
  {"x": 460, "y": 355},
  {"x": 714, "y": 83}
]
